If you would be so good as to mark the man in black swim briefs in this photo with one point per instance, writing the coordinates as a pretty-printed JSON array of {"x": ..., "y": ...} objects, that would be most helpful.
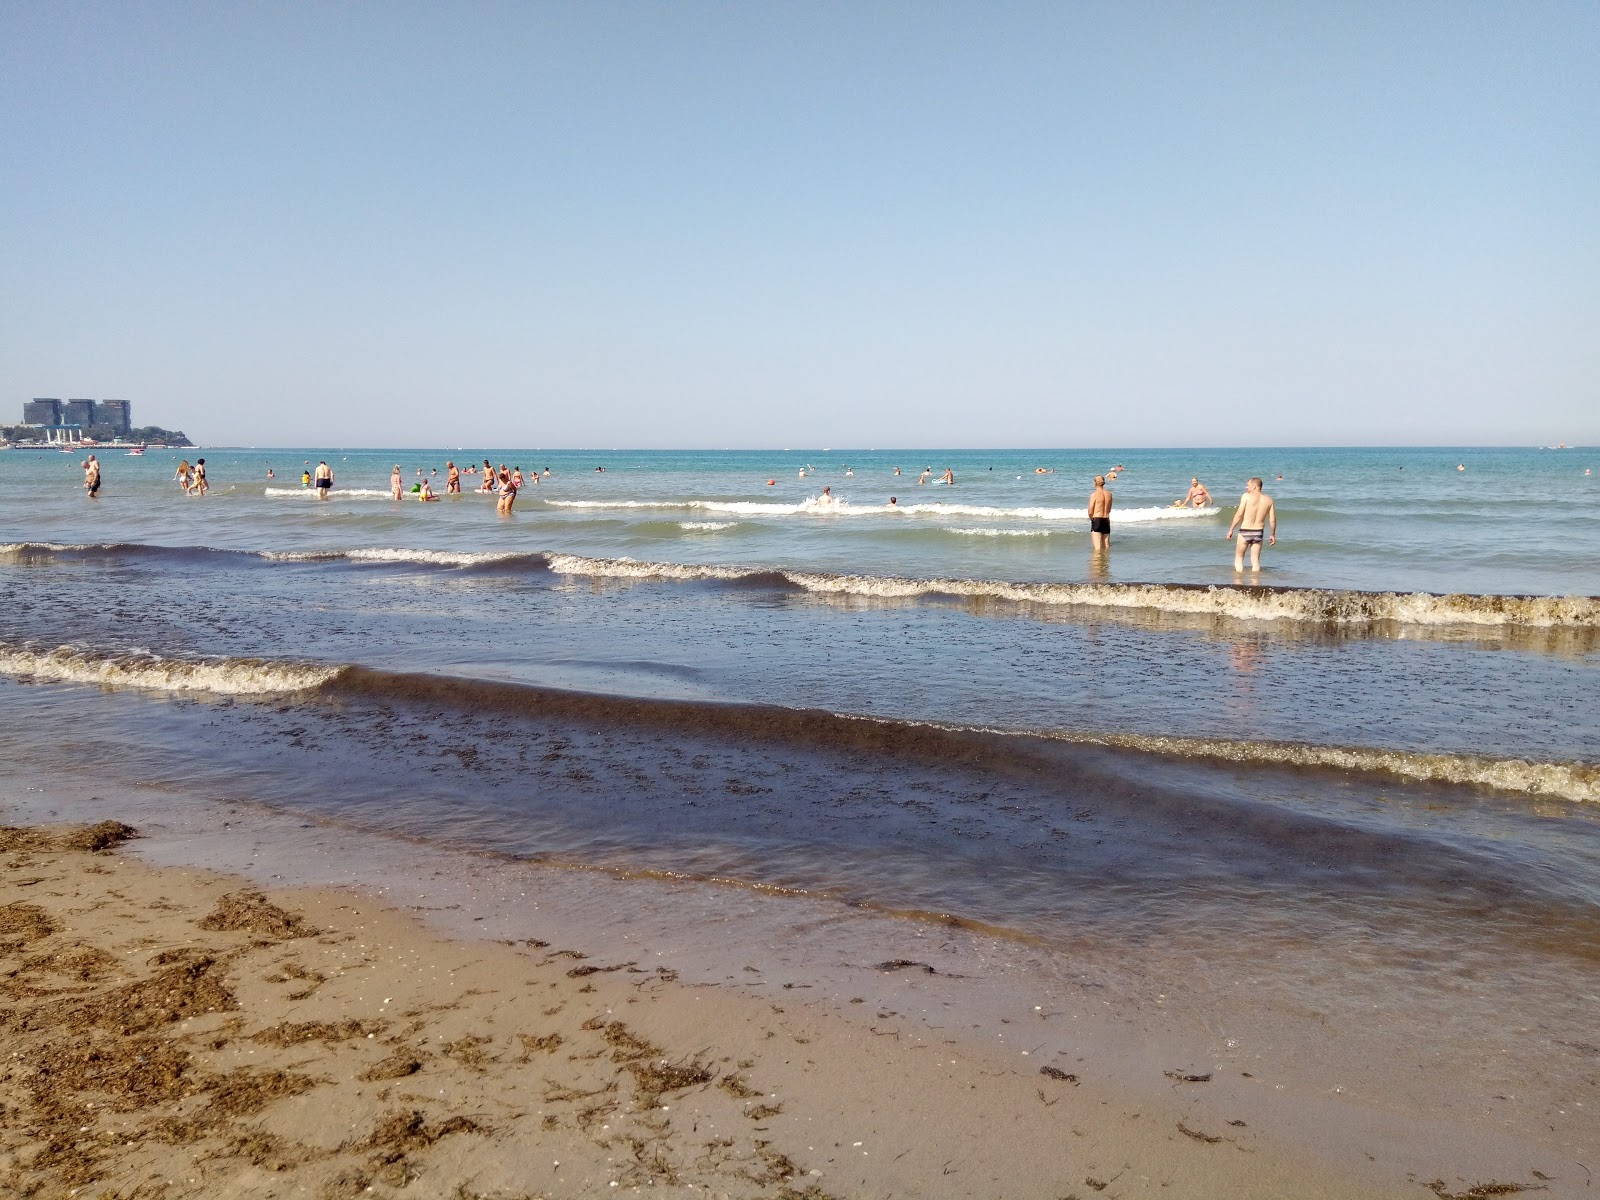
[{"x": 1100, "y": 515}]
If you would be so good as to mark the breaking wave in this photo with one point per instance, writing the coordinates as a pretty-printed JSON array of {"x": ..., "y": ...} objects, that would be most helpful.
[
  {"x": 1333, "y": 607},
  {"x": 1324, "y": 606},
  {"x": 986, "y": 532},
  {"x": 1567, "y": 781},
  {"x": 141, "y": 669},
  {"x": 845, "y": 508},
  {"x": 1574, "y": 781},
  {"x": 334, "y": 493}
]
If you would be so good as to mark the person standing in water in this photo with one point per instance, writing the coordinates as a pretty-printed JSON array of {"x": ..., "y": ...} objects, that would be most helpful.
[
  {"x": 91, "y": 477},
  {"x": 1255, "y": 516},
  {"x": 452, "y": 481},
  {"x": 1100, "y": 501},
  {"x": 323, "y": 480},
  {"x": 396, "y": 484},
  {"x": 201, "y": 487}
]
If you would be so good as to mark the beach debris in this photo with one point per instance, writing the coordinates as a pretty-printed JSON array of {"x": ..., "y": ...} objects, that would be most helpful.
[
  {"x": 1058, "y": 1073},
  {"x": 540, "y": 1045},
  {"x": 292, "y": 1033},
  {"x": 902, "y": 964},
  {"x": 104, "y": 835},
  {"x": 1209, "y": 1138},
  {"x": 736, "y": 1087},
  {"x": 1479, "y": 1191},
  {"x": 252, "y": 912},
  {"x": 23, "y": 923},
  {"x": 1185, "y": 1077},
  {"x": 396, "y": 1066}
]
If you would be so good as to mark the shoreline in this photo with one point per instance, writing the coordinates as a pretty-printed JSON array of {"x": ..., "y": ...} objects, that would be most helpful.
[{"x": 929, "y": 1079}]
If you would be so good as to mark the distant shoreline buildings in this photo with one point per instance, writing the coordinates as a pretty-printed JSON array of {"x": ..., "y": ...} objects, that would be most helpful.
[{"x": 53, "y": 422}]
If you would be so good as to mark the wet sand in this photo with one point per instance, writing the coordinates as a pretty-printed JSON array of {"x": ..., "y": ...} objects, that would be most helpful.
[{"x": 176, "y": 1032}]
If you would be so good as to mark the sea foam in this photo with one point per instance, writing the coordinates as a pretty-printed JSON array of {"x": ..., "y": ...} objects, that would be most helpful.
[{"x": 142, "y": 669}]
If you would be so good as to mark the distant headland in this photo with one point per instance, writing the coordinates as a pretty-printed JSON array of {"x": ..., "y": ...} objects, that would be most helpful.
[{"x": 50, "y": 422}]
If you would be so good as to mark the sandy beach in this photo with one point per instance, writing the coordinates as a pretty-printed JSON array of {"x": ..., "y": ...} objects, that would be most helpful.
[{"x": 176, "y": 1032}]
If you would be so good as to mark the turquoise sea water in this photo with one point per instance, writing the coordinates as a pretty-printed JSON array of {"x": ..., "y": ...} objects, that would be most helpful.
[{"x": 1513, "y": 521}]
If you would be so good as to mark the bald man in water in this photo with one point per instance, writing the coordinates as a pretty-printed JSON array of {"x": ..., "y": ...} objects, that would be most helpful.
[
  {"x": 1255, "y": 516},
  {"x": 1100, "y": 515}
]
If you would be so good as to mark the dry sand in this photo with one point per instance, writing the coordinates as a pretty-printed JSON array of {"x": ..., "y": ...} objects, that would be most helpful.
[{"x": 175, "y": 1033}]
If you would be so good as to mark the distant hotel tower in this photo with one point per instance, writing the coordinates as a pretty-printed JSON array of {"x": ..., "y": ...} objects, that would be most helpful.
[
  {"x": 116, "y": 413},
  {"x": 41, "y": 412},
  {"x": 79, "y": 412}
]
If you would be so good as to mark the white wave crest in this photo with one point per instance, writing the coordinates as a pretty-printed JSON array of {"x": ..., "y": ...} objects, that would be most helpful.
[
  {"x": 223, "y": 676},
  {"x": 706, "y": 526},
  {"x": 628, "y": 568},
  {"x": 334, "y": 493},
  {"x": 442, "y": 558},
  {"x": 1569, "y": 781},
  {"x": 990, "y": 532},
  {"x": 1324, "y": 606},
  {"x": 845, "y": 508}
]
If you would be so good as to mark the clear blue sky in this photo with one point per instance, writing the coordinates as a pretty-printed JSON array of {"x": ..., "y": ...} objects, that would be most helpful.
[{"x": 792, "y": 224}]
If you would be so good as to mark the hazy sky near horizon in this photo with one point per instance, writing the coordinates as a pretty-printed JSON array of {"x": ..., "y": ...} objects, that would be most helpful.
[{"x": 696, "y": 224}]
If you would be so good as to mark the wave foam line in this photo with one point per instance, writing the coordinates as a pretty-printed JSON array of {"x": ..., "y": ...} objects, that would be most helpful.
[
  {"x": 1567, "y": 781},
  {"x": 844, "y": 508},
  {"x": 141, "y": 669},
  {"x": 1325, "y": 606},
  {"x": 395, "y": 554},
  {"x": 333, "y": 493},
  {"x": 261, "y": 677},
  {"x": 983, "y": 531}
]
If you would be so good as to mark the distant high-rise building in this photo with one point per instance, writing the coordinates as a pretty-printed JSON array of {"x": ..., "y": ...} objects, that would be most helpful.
[
  {"x": 116, "y": 413},
  {"x": 41, "y": 412},
  {"x": 79, "y": 412}
]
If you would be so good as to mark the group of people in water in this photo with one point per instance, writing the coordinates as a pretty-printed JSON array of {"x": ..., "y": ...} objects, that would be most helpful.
[
  {"x": 1255, "y": 520},
  {"x": 192, "y": 479}
]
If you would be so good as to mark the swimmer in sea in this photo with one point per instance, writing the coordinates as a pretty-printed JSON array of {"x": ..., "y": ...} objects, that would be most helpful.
[
  {"x": 199, "y": 486},
  {"x": 1255, "y": 516},
  {"x": 927, "y": 474},
  {"x": 826, "y": 497},
  {"x": 452, "y": 481},
  {"x": 894, "y": 502},
  {"x": 848, "y": 472},
  {"x": 949, "y": 477},
  {"x": 270, "y": 475},
  {"x": 396, "y": 484},
  {"x": 425, "y": 490},
  {"x": 1100, "y": 502},
  {"x": 897, "y": 470},
  {"x": 1198, "y": 497}
]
